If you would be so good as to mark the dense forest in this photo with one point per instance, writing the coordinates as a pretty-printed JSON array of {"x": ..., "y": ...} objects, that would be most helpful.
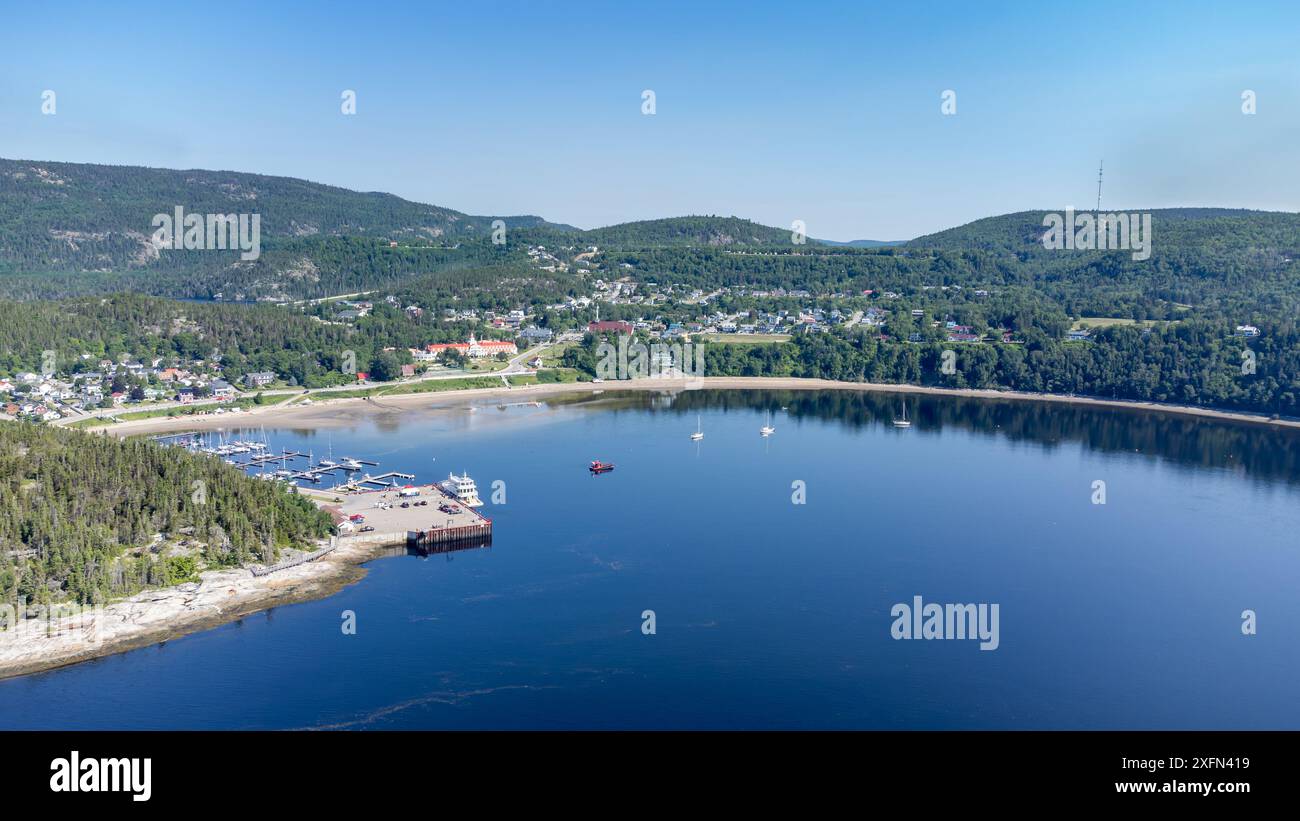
[
  {"x": 687, "y": 231},
  {"x": 85, "y": 516},
  {"x": 300, "y": 347},
  {"x": 305, "y": 345},
  {"x": 1240, "y": 262},
  {"x": 1192, "y": 363}
]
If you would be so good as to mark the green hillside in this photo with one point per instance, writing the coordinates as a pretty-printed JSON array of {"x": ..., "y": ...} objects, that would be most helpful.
[
  {"x": 70, "y": 228},
  {"x": 702, "y": 231}
]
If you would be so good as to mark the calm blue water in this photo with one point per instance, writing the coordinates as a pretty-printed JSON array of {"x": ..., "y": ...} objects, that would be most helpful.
[{"x": 768, "y": 613}]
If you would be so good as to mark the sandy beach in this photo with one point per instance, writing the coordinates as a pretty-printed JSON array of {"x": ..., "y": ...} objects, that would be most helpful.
[{"x": 342, "y": 412}]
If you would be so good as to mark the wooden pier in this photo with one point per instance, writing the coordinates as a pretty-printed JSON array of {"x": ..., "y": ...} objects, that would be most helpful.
[
  {"x": 303, "y": 559},
  {"x": 442, "y": 539}
]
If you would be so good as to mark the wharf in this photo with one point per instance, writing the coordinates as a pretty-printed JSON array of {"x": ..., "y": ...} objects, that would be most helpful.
[{"x": 425, "y": 527}]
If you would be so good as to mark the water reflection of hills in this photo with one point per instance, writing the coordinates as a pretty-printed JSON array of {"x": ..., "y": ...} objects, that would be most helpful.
[{"x": 1254, "y": 450}]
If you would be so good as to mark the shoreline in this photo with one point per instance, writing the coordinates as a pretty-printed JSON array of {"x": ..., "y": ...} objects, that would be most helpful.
[
  {"x": 224, "y": 596},
  {"x": 160, "y": 615},
  {"x": 336, "y": 412}
]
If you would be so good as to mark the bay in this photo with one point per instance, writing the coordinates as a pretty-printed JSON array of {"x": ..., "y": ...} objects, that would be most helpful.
[{"x": 770, "y": 613}]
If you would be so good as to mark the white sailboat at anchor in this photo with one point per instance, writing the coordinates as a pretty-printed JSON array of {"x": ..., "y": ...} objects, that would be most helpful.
[{"x": 699, "y": 430}]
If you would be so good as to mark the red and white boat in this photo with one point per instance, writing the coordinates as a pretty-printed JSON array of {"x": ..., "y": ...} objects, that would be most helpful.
[{"x": 600, "y": 467}]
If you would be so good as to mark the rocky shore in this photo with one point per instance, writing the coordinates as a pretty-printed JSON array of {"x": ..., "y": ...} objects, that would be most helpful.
[{"x": 221, "y": 596}]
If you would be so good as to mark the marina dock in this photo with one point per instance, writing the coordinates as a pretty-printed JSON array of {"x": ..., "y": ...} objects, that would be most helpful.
[
  {"x": 383, "y": 480},
  {"x": 385, "y": 508},
  {"x": 426, "y": 528}
]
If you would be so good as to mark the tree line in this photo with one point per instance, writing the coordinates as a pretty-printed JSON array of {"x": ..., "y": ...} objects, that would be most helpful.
[{"x": 85, "y": 516}]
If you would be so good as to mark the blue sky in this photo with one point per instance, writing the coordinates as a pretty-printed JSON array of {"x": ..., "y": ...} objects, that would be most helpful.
[{"x": 824, "y": 112}]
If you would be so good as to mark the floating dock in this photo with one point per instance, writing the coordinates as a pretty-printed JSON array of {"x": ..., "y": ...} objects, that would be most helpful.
[{"x": 356, "y": 485}]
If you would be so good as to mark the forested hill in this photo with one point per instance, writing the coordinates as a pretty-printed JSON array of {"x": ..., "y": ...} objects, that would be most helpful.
[
  {"x": 84, "y": 516},
  {"x": 1176, "y": 232},
  {"x": 68, "y": 217},
  {"x": 1225, "y": 260},
  {"x": 696, "y": 231},
  {"x": 69, "y": 230}
]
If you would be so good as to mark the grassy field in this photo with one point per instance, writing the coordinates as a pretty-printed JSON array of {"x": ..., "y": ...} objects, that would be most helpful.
[
  {"x": 485, "y": 366},
  {"x": 88, "y": 422},
  {"x": 552, "y": 356},
  {"x": 1107, "y": 321},
  {"x": 427, "y": 386},
  {"x": 746, "y": 339}
]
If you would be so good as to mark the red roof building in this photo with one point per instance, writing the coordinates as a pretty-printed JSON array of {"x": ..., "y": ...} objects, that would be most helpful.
[{"x": 475, "y": 348}]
